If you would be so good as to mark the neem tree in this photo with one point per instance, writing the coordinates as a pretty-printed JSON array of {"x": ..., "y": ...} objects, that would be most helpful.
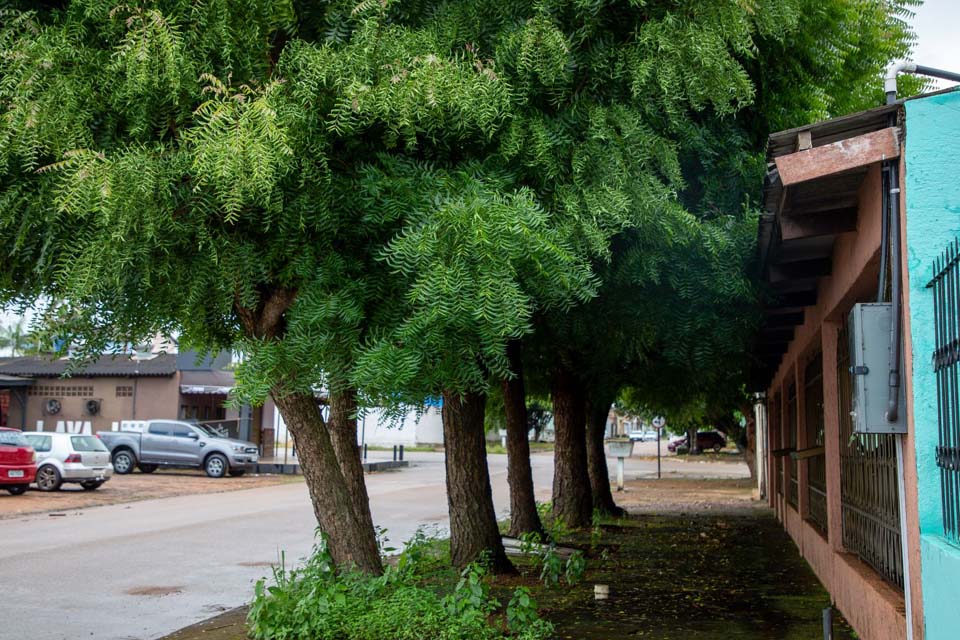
[
  {"x": 674, "y": 306},
  {"x": 193, "y": 167},
  {"x": 376, "y": 197}
]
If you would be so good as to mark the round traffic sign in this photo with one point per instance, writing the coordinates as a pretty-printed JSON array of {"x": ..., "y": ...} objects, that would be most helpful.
[{"x": 659, "y": 421}]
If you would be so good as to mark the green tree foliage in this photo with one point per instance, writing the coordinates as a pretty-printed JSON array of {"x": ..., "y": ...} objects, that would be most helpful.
[{"x": 382, "y": 194}]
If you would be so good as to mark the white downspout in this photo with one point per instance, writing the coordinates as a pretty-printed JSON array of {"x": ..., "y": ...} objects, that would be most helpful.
[{"x": 904, "y": 547}]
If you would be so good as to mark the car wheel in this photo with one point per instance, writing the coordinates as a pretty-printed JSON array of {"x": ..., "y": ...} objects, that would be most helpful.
[
  {"x": 124, "y": 461},
  {"x": 17, "y": 489},
  {"x": 216, "y": 466},
  {"x": 91, "y": 485},
  {"x": 717, "y": 448},
  {"x": 236, "y": 473},
  {"x": 48, "y": 478},
  {"x": 147, "y": 468}
]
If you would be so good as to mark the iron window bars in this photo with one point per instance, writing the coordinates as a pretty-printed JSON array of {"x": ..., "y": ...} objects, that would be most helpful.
[{"x": 946, "y": 309}]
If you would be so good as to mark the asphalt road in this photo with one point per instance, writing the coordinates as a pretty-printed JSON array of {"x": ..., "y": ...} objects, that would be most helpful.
[{"x": 142, "y": 570}]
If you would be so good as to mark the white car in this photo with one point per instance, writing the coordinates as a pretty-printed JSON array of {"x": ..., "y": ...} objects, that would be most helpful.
[
  {"x": 69, "y": 457},
  {"x": 643, "y": 436}
]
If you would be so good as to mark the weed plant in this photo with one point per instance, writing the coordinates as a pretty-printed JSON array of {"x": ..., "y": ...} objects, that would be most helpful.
[{"x": 412, "y": 600}]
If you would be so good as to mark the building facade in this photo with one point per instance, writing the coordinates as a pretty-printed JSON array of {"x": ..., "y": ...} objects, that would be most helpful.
[
  {"x": 871, "y": 513},
  {"x": 45, "y": 394}
]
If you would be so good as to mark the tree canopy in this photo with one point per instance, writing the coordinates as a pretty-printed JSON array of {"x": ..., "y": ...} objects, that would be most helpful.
[{"x": 379, "y": 196}]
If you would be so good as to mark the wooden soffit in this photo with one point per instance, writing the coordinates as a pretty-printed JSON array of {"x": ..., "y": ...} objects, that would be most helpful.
[{"x": 837, "y": 157}]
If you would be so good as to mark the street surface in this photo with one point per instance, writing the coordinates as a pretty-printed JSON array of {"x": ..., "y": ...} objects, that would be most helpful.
[{"x": 140, "y": 570}]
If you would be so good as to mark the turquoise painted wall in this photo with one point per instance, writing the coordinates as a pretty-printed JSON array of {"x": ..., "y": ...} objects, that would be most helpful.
[{"x": 932, "y": 183}]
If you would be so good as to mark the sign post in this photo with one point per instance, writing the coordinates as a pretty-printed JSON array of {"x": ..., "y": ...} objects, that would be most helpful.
[{"x": 658, "y": 424}]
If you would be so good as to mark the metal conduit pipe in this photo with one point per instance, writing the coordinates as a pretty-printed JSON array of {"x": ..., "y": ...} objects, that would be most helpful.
[
  {"x": 884, "y": 234},
  {"x": 890, "y": 80},
  {"x": 896, "y": 325}
]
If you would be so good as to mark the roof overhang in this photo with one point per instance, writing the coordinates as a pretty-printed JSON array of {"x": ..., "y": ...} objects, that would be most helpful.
[
  {"x": 14, "y": 382},
  {"x": 811, "y": 196}
]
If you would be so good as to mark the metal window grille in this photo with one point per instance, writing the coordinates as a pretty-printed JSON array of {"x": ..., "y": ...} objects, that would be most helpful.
[
  {"x": 946, "y": 306},
  {"x": 816, "y": 465},
  {"x": 794, "y": 493},
  {"x": 869, "y": 502}
]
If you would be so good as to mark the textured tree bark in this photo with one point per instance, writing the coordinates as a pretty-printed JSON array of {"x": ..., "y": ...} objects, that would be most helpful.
[
  {"x": 350, "y": 542},
  {"x": 343, "y": 434},
  {"x": 598, "y": 408},
  {"x": 692, "y": 441},
  {"x": 572, "y": 499},
  {"x": 473, "y": 521},
  {"x": 523, "y": 506},
  {"x": 749, "y": 441}
]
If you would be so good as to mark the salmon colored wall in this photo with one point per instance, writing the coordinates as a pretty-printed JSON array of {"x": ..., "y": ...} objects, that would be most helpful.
[
  {"x": 874, "y": 608},
  {"x": 910, "y": 483}
]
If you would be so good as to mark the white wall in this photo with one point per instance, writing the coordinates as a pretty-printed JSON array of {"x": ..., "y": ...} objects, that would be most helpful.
[
  {"x": 413, "y": 430},
  {"x": 372, "y": 429}
]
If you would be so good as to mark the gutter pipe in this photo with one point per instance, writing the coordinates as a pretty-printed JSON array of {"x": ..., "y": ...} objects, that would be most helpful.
[{"x": 890, "y": 80}]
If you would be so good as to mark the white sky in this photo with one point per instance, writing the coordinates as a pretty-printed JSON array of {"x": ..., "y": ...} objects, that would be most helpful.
[{"x": 938, "y": 45}]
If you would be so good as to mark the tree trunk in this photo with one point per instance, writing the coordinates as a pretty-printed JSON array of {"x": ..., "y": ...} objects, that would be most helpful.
[
  {"x": 473, "y": 521},
  {"x": 597, "y": 411},
  {"x": 343, "y": 434},
  {"x": 350, "y": 542},
  {"x": 523, "y": 506},
  {"x": 692, "y": 447},
  {"x": 572, "y": 500},
  {"x": 750, "y": 443}
]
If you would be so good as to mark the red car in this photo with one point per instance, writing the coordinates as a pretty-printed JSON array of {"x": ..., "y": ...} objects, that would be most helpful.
[
  {"x": 18, "y": 461},
  {"x": 705, "y": 440}
]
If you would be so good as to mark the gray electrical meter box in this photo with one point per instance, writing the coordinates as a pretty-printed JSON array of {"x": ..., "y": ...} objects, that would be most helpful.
[{"x": 870, "y": 370}]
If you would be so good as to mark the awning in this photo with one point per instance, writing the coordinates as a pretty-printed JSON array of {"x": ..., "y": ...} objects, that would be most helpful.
[
  {"x": 11, "y": 382},
  {"x": 215, "y": 382}
]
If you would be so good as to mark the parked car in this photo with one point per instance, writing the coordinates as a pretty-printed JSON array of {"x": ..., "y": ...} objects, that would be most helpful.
[
  {"x": 705, "y": 440},
  {"x": 18, "y": 462},
  {"x": 643, "y": 436},
  {"x": 69, "y": 457},
  {"x": 174, "y": 443}
]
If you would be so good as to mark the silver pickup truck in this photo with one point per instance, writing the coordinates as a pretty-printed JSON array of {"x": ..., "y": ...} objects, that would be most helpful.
[{"x": 173, "y": 443}]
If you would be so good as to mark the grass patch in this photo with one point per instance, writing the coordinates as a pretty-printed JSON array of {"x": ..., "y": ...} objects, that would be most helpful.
[
  {"x": 496, "y": 447},
  {"x": 418, "y": 448}
]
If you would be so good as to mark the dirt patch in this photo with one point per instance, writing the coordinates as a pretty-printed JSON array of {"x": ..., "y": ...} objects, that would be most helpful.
[
  {"x": 723, "y": 575},
  {"x": 154, "y": 591},
  {"x": 131, "y": 488},
  {"x": 688, "y": 495},
  {"x": 226, "y": 626}
]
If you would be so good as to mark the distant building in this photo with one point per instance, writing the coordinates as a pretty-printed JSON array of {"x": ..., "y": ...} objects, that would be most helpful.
[{"x": 99, "y": 396}]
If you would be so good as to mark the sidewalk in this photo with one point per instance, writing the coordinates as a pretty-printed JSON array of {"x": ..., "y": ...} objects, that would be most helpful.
[{"x": 696, "y": 560}]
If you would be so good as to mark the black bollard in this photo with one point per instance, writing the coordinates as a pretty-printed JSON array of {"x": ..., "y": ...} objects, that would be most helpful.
[
  {"x": 401, "y": 452},
  {"x": 364, "y": 451},
  {"x": 394, "y": 453},
  {"x": 828, "y": 623}
]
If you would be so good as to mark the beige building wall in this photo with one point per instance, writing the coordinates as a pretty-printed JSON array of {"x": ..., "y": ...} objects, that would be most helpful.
[{"x": 156, "y": 397}]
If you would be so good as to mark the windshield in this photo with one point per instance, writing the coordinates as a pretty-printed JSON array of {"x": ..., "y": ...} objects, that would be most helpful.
[
  {"x": 207, "y": 431},
  {"x": 87, "y": 443},
  {"x": 12, "y": 438}
]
